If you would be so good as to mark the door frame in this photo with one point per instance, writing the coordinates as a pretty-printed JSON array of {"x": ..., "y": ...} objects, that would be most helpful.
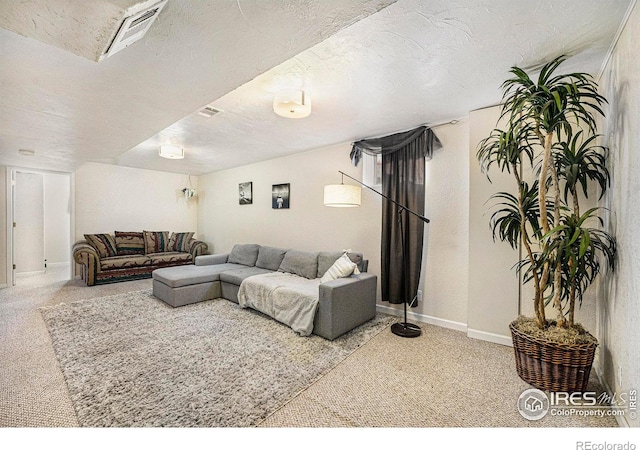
[{"x": 10, "y": 172}]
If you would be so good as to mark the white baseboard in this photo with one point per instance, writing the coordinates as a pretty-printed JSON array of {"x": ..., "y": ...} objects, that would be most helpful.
[
  {"x": 57, "y": 264},
  {"x": 2, "y": 286},
  {"x": 444, "y": 323},
  {"x": 620, "y": 418},
  {"x": 490, "y": 337},
  {"x": 37, "y": 272}
]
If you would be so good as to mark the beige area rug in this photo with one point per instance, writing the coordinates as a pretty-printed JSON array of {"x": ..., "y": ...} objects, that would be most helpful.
[{"x": 130, "y": 360}]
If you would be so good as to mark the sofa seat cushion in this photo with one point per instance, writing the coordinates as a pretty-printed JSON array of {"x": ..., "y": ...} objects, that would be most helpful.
[
  {"x": 236, "y": 276},
  {"x": 187, "y": 275},
  {"x": 124, "y": 262},
  {"x": 164, "y": 258}
]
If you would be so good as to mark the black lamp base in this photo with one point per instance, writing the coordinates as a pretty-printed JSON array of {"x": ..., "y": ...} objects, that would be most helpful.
[{"x": 405, "y": 329}]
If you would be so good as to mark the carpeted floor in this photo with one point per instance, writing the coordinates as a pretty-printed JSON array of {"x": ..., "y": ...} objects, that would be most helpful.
[
  {"x": 440, "y": 379},
  {"x": 130, "y": 360}
]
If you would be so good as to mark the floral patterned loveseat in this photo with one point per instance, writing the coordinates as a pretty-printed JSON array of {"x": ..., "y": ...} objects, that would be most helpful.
[{"x": 131, "y": 255}]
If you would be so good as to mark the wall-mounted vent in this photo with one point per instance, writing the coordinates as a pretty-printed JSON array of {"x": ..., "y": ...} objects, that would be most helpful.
[
  {"x": 208, "y": 111},
  {"x": 134, "y": 27}
]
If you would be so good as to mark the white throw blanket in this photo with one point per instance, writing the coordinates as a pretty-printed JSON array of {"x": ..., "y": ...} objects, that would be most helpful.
[{"x": 288, "y": 298}]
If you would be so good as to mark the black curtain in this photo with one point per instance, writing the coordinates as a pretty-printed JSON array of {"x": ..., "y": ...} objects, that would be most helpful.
[{"x": 403, "y": 180}]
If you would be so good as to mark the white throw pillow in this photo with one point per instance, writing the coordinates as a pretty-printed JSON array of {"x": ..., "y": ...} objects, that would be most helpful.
[{"x": 343, "y": 267}]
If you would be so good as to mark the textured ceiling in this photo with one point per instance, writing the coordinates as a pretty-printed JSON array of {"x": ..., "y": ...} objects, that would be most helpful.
[
  {"x": 411, "y": 63},
  {"x": 70, "y": 109}
]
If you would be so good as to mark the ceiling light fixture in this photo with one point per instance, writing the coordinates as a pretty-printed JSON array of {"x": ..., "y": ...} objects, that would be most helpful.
[
  {"x": 294, "y": 104},
  {"x": 171, "y": 152},
  {"x": 25, "y": 152}
]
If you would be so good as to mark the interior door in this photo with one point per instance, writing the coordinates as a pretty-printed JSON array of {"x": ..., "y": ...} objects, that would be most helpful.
[{"x": 28, "y": 218}]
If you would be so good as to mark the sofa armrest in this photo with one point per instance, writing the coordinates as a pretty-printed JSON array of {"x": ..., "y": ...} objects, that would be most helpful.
[
  {"x": 197, "y": 248},
  {"x": 87, "y": 256},
  {"x": 344, "y": 304},
  {"x": 208, "y": 260}
]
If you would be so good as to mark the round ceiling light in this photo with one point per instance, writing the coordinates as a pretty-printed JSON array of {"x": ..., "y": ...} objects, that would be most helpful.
[
  {"x": 294, "y": 104},
  {"x": 171, "y": 151}
]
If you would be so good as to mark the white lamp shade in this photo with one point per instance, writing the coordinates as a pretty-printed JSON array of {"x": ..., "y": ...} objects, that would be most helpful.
[
  {"x": 171, "y": 152},
  {"x": 294, "y": 104},
  {"x": 342, "y": 195}
]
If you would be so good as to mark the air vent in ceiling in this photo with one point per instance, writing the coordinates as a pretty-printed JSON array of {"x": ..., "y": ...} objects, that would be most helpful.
[
  {"x": 134, "y": 27},
  {"x": 208, "y": 111}
]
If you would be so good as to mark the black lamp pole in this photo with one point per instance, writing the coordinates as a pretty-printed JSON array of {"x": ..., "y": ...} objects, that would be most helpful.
[{"x": 403, "y": 329}]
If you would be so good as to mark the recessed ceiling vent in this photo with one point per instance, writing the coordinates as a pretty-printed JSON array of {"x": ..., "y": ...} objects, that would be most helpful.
[
  {"x": 208, "y": 111},
  {"x": 134, "y": 27}
]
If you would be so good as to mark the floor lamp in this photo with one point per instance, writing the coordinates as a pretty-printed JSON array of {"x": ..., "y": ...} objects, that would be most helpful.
[{"x": 346, "y": 195}]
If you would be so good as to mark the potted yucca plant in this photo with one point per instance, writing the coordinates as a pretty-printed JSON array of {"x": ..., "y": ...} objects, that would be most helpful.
[{"x": 549, "y": 147}]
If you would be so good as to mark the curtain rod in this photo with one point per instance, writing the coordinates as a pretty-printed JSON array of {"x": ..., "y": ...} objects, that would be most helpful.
[{"x": 449, "y": 122}]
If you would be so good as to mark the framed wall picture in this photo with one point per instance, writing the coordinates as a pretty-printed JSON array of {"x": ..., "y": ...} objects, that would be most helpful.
[
  {"x": 245, "y": 193},
  {"x": 280, "y": 195}
]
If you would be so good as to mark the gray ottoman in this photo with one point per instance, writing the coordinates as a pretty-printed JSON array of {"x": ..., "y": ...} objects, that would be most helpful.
[{"x": 182, "y": 285}]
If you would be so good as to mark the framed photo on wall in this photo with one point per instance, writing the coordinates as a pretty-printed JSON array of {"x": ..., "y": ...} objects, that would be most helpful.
[
  {"x": 280, "y": 194},
  {"x": 245, "y": 193}
]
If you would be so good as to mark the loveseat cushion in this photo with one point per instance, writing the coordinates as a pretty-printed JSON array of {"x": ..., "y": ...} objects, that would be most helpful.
[
  {"x": 180, "y": 242},
  {"x": 130, "y": 242},
  {"x": 155, "y": 241},
  {"x": 326, "y": 260},
  {"x": 303, "y": 264},
  {"x": 187, "y": 275},
  {"x": 162, "y": 259},
  {"x": 270, "y": 257},
  {"x": 245, "y": 254},
  {"x": 236, "y": 276},
  {"x": 124, "y": 261},
  {"x": 104, "y": 244}
]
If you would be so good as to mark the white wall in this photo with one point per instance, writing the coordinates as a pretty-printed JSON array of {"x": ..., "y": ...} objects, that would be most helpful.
[
  {"x": 308, "y": 225},
  {"x": 110, "y": 198},
  {"x": 445, "y": 277},
  {"x": 57, "y": 217},
  {"x": 3, "y": 226},
  {"x": 618, "y": 305},
  {"x": 493, "y": 294}
]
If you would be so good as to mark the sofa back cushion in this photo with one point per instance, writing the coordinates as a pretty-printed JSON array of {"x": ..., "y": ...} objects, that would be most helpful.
[
  {"x": 343, "y": 267},
  {"x": 156, "y": 241},
  {"x": 129, "y": 243},
  {"x": 246, "y": 254},
  {"x": 104, "y": 244},
  {"x": 326, "y": 260},
  {"x": 179, "y": 242},
  {"x": 270, "y": 257},
  {"x": 304, "y": 264}
]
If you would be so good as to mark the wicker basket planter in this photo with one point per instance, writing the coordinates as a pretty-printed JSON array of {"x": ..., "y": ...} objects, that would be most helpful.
[{"x": 551, "y": 366}]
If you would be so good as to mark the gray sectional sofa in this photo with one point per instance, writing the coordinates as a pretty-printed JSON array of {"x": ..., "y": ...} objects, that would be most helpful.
[{"x": 343, "y": 303}]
